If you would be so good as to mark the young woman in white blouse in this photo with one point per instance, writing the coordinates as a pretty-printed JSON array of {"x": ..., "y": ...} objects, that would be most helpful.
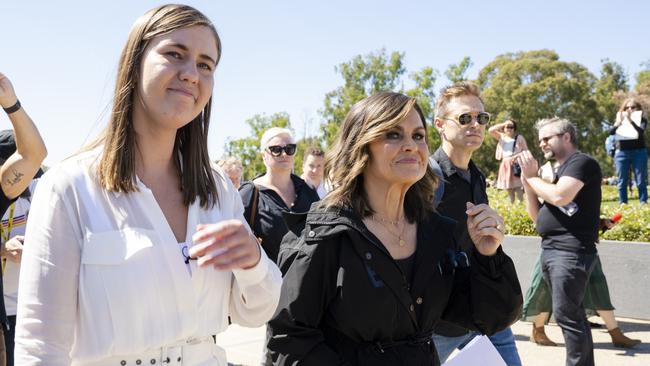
[{"x": 107, "y": 276}]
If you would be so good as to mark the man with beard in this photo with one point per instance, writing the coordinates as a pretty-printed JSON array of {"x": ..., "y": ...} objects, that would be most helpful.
[
  {"x": 568, "y": 224},
  {"x": 461, "y": 120}
]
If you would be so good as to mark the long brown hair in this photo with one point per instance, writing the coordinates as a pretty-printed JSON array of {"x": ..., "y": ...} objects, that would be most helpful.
[
  {"x": 116, "y": 168},
  {"x": 367, "y": 121},
  {"x": 634, "y": 101}
]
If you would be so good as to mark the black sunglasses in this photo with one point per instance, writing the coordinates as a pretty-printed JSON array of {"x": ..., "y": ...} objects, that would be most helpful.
[
  {"x": 466, "y": 118},
  {"x": 545, "y": 140},
  {"x": 276, "y": 150},
  {"x": 633, "y": 107}
]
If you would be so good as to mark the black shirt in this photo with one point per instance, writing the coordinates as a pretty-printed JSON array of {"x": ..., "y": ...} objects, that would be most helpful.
[
  {"x": 638, "y": 143},
  {"x": 269, "y": 225},
  {"x": 577, "y": 232},
  {"x": 457, "y": 192}
]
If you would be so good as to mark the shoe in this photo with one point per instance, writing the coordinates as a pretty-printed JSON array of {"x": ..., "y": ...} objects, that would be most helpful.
[
  {"x": 620, "y": 340},
  {"x": 539, "y": 337}
]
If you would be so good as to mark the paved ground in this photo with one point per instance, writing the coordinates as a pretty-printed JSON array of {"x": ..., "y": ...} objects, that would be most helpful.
[{"x": 244, "y": 345}]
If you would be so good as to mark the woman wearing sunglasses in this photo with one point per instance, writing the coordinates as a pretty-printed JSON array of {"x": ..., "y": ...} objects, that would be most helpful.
[
  {"x": 509, "y": 143},
  {"x": 276, "y": 192},
  {"x": 375, "y": 268},
  {"x": 631, "y": 152}
]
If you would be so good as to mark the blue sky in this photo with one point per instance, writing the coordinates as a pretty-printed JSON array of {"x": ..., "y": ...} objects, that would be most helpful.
[{"x": 280, "y": 55}]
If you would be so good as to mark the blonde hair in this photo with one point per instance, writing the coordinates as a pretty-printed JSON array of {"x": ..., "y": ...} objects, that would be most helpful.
[
  {"x": 453, "y": 91},
  {"x": 229, "y": 163},
  {"x": 116, "y": 168},
  {"x": 271, "y": 133},
  {"x": 367, "y": 122}
]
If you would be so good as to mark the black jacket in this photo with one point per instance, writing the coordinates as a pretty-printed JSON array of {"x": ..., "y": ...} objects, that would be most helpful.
[
  {"x": 269, "y": 225},
  {"x": 345, "y": 301}
]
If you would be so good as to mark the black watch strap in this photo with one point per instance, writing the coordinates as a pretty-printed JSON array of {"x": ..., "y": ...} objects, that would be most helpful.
[{"x": 13, "y": 108}]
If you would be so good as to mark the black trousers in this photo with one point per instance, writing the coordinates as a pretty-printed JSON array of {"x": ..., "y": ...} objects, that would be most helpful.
[
  {"x": 566, "y": 274},
  {"x": 9, "y": 339}
]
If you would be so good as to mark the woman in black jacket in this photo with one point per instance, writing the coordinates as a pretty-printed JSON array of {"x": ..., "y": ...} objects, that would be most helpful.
[
  {"x": 631, "y": 151},
  {"x": 375, "y": 267}
]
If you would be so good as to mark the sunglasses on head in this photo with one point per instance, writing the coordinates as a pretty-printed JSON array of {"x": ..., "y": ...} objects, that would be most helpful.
[
  {"x": 466, "y": 118},
  {"x": 276, "y": 150}
]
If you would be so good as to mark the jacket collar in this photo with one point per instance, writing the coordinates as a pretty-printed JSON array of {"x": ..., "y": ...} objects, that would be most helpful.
[{"x": 448, "y": 168}]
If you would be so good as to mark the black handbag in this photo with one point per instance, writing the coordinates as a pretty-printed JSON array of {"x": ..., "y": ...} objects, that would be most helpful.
[{"x": 516, "y": 168}]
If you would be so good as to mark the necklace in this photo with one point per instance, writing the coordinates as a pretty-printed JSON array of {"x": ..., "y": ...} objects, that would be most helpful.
[{"x": 398, "y": 235}]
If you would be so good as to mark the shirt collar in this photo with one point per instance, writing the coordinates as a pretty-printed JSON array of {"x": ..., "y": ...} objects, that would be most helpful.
[{"x": 448, "y": 168}]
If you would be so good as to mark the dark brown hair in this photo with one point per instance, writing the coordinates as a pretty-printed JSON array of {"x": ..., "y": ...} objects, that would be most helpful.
[{"x": 368, "y": 121}]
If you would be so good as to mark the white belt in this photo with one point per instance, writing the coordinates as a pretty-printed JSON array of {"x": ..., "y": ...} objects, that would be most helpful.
[{"x": 172, "y": 354}]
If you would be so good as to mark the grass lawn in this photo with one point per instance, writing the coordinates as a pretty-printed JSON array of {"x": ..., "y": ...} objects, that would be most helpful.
[{"x": 634, "y": 225}]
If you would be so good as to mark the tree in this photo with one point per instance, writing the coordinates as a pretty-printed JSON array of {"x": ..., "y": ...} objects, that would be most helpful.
[
  {"x": 529, "y": 86},
  {"x": 362, "y": 77},
  {"x": 643, "y": 86},
  {"x": 366, "y": 75},
  {"x": 248, "y": 149},
  {"x": 456, "y": 72},
  {"x": 612, "y": 82}
]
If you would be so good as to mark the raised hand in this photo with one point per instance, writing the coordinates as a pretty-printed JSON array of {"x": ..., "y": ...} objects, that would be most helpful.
[
  {"x": 7, "y": 93},
  {"x": 528, "y": 164},
  {"x": 225, "y": 245},
  {"x": 485, "y": 228}
]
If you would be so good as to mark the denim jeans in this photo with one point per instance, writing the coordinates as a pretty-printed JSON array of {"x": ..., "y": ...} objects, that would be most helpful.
[
  {"x": 566, "y": 274},
  {"x": 503, "y": 341},
  {"x": 636, "y": 159}
]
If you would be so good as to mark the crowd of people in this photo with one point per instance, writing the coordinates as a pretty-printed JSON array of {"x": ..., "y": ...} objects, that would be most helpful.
[{"x": 139, "y": 250}]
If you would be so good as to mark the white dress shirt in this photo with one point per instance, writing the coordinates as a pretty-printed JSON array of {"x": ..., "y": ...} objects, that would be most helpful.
[{"x": 102, "y": 274}]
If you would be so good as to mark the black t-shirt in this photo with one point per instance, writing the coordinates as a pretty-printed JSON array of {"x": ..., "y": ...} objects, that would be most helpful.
[{"x": 574, "y": 227}]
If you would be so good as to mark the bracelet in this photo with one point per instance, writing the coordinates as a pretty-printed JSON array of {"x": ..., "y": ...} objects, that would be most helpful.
[{"x": 13, "y": 108}]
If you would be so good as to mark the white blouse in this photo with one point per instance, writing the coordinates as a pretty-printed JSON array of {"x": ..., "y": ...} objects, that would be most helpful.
[{"x": 102, "y": 274}]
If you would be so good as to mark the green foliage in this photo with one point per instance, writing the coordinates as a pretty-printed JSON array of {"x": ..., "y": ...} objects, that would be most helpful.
[
  {"x": 366, "y": 75},
  {"x": 634, "y": 225},
  {"x": 248, "y": 149},
  {"x": 612, "y": 80},
  {"x": 456, "y": 72},
  {"x": 515, "y": 215},
  {"x": 532, "y": 85},
  {"x": 362, "y": 77}
]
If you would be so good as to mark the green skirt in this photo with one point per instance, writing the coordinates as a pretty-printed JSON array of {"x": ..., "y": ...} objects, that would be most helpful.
[{"x": 538, "y": 297}]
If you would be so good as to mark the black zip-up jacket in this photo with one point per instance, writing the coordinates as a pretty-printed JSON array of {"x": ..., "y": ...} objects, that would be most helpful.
[{"x": 345, "y": 301}]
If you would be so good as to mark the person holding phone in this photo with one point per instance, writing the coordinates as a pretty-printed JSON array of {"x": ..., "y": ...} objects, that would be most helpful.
[
  {"x": 106, "y": 275},
  {"x": 631, "y": 151}
]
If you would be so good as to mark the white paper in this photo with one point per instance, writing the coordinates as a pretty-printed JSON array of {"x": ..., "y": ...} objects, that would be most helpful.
[{"x": 479, "y": 351}]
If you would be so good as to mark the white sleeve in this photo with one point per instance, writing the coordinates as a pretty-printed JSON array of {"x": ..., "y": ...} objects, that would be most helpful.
[
  {"x": 47, "y": 300},
  {"x": 255, "y": 291}
]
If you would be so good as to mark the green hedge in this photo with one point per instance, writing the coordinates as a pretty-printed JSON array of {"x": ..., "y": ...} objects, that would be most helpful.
[{"x": 634, "y": 225}]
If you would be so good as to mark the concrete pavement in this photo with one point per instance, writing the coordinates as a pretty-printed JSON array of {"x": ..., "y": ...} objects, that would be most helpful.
[{"x": 244, "y": 345}]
